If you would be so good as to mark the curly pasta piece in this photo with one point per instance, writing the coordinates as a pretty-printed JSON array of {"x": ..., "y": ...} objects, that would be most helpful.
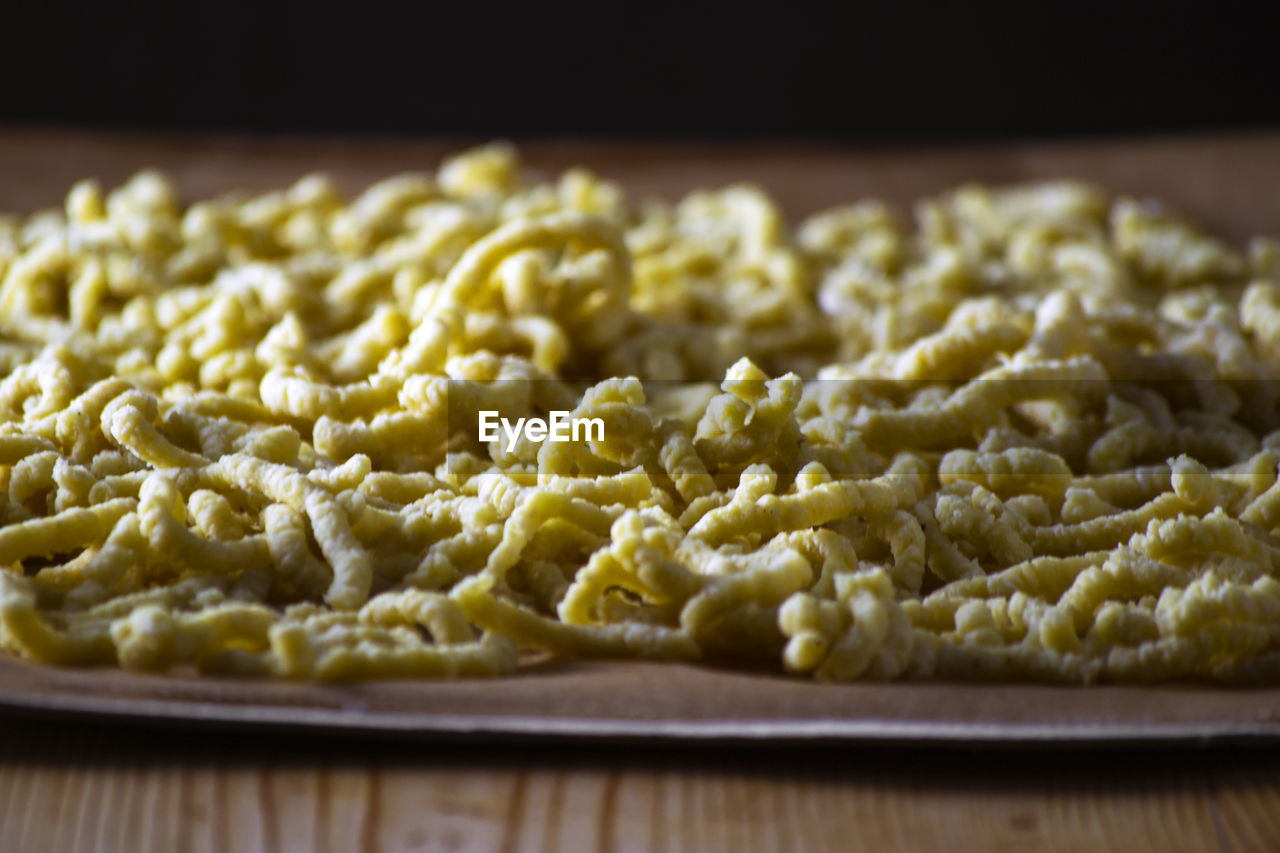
[
  {"x": 1105, "y": 532},
  {"x": 492, "y": 655},
  {"x": 785, "y": 572},
  {"x": 981, "y": 516},
  {"x": 298, "y": 397},
  {"x": 1044, "y": 577},
  {"x": 899, "y": 487},
  {"x": 153, "y": 638},
  {"x": 433, "y": 611},
  {"x": 124, "y": 546},
  {"x": 67, "y": 531},
  {"x": 618, "y": 640},
  {"x": 682, "y": 464},
  {"x": 161, "y": 514},
  {"x": 352, "y": 572},
  {"x": 975, "y": 405},
  {"x": 865, "y": 634},
  {"x": 23, "y": 628},
  {"x": 643, "y": 557},
  {"x": 15, "y": 448},
  {"x": 1016, "y": 471}
]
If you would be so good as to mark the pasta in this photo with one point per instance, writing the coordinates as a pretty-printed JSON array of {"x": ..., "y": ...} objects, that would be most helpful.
[{"x": 1035, "y": 437}]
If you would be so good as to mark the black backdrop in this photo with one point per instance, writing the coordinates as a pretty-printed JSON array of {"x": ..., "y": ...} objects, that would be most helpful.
[{"x": 885, "y": 71}]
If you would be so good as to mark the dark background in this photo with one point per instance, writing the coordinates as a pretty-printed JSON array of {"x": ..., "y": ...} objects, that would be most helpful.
[{"x": 883, "y": 71}]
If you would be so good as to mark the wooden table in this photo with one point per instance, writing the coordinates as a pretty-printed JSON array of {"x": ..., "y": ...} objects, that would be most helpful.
[
  {"x": 77, "y": 786},
  {"x": 71, "y": 784}
]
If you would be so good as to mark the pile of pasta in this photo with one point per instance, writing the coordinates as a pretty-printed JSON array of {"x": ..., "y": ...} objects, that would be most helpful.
[{"x": 1033, "y": 436}]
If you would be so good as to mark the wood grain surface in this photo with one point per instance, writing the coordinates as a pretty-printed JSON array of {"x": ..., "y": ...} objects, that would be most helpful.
[
  {"x": 70, "y": 784},
  {"x": 98, "y": 788}
]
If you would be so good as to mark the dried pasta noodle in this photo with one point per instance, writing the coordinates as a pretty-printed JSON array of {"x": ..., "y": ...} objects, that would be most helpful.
[{"x": 1036, "y": 436}]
